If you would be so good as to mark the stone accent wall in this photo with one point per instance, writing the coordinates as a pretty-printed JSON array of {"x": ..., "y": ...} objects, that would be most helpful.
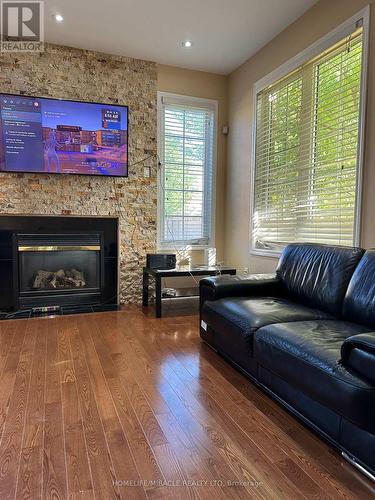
[{"x": 68, "y": 73}]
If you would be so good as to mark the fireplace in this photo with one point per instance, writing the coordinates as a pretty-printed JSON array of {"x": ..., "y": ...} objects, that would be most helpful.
[
  {"x": 66, "y": 264},
  {"x": 58, "y": 269}
]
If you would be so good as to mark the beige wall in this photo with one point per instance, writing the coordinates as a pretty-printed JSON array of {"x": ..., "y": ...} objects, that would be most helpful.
[
  {"x": 315, "y": 23},
  {"x": 209, "y": 86}
]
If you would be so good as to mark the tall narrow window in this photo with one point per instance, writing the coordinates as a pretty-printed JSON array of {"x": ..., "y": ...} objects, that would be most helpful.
[
  {"x": 307, "y": 150},
  {"x": 186, "y": 146}
]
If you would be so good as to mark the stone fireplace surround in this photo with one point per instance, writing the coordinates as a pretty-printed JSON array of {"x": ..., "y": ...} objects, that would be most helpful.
[{"x": 67, "y": 73}]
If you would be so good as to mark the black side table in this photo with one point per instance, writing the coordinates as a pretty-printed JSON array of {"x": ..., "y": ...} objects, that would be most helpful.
[{"x": 183, "y": 271}]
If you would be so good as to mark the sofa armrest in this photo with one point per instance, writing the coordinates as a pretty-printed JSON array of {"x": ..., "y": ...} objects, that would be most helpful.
[
  {"x": 255, "y": 285},
  {"x": 358, "y": 353}
]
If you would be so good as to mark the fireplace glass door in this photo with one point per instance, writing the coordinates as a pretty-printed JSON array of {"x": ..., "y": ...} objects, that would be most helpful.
[{"x": 52, "y": 264}]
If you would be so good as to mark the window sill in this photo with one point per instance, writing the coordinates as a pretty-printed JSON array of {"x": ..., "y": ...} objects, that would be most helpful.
[
  {"x": 182, "y": 246},
  {"x": 265, "y": 253}
]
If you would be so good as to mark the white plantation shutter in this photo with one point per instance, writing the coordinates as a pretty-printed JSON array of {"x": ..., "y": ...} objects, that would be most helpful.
[
  {"x": 306, "y": 159},
  {"x": 186, "y": 147}
]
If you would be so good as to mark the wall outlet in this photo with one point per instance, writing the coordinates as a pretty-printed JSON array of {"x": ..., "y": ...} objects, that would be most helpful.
[{"x": 146, "y": 171}]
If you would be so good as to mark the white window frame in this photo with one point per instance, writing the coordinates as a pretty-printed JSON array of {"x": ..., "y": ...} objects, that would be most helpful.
[
  {"x": 211, "y": 104},
  {"x": 291, "y": 65}
]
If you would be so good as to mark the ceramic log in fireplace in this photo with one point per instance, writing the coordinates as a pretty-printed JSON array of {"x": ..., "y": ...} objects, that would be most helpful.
[{"x": 68, "y": 262}]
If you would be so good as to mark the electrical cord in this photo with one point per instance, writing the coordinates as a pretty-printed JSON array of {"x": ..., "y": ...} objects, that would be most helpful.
[
  {"x": 178, "y": 250},
  {"x": 10, "y": 315}
]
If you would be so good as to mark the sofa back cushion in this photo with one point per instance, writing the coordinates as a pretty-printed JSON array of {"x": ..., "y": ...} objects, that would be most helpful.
[
  {"x": 318, "y": 275},
  {"x": 359, "y": 301}
]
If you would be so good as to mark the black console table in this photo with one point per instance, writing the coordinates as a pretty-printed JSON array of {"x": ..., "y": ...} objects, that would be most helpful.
[{"x": 178, "y": 272}]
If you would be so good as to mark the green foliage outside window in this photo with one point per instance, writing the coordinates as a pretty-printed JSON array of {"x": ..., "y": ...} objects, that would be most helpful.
[{"x": 306, "y": 152}]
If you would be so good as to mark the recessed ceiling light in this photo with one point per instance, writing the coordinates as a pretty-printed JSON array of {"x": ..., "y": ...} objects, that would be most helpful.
[
  {"x": 187, "y": 43},
  {"x": 58, "y": 18}
]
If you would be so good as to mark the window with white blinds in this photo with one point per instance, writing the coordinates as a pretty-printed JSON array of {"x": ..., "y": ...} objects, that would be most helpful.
[
  {"x": 186, "y": 148},
  {"x": 307, "y": 151}
]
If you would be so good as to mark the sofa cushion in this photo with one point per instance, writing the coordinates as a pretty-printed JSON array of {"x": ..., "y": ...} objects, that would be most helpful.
[
  {"x": 359, "y": 301},
  {"x": 307, "y": 355},
  {"x": 318, "y": 275},
  {"x": 235, "y": 320}
]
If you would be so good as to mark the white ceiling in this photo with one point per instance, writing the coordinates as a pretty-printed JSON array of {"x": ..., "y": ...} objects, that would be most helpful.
[{"x": 224, "y": 32}]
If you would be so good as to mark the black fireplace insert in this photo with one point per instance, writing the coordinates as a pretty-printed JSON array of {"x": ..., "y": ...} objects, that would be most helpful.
[
  {"x": 64, "y": 263},
  {"x": 59, "y": 269}
]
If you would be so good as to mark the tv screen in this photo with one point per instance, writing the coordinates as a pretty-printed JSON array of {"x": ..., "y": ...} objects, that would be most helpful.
[{"x": 54, "y": 136}]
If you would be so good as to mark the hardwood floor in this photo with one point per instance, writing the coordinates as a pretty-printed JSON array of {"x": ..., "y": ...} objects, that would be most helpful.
[{"x": 122, "y": 405}]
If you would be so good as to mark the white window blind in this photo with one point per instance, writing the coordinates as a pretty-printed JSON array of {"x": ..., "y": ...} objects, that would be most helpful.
[
  {"x": 186, "y": 146},
  {"x": 306, "y": 158}
]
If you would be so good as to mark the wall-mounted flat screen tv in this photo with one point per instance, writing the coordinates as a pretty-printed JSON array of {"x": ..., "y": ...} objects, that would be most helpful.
[{"x": 54, "y": 136}]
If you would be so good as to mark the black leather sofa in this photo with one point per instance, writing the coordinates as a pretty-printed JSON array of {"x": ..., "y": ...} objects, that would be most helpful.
[{"x": 307, "y": 336}]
